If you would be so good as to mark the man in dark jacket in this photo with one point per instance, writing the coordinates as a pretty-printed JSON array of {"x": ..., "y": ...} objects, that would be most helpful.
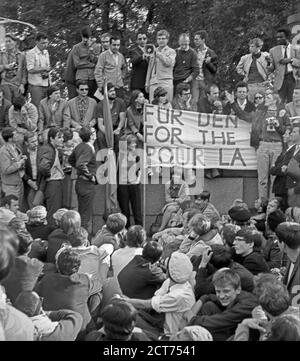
[
  {"x": 147, "y": 276},
  {"x": 219, "y": 257},
  {"x": 83, "y": 158},
  {"x": 186, "y": 67},
  {"x": 50, "y": 172},
  {"x": 139, "y": 60},
  {"x": 208, "y": 65},
  {"x": 247, "y": 245},
  {"x": 221, "y": 313},
  {"x": 289, "y": 234},
  {"x": 4, "y": 106}
]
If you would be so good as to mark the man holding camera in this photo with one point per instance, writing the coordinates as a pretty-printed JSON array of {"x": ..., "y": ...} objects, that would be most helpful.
[
  {"x": 254, "y": 68},
  {"x": 285, "y": 63},
  {"x": 38, "y": 67},
  {"x": 161, "y": 64},
  {"x": 12, "y": 165}
]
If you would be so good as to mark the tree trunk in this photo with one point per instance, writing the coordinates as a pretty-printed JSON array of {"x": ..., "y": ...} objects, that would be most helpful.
[{"x": 105, "y": 16}]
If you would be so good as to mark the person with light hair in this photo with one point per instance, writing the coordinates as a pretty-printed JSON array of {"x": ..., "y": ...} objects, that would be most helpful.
[{"x": 253, "y": 67}]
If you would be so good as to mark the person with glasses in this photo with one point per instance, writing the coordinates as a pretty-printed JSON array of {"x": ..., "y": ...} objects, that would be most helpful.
[
  {"x": 182, "y": 100},
  {"x": 186, "y": 63},
  {"x": 253, "y": 67},
  {"x": 259, "y": 99},
  {"x": 140, "y": 61},
  {"x": 80, "y": 111}
]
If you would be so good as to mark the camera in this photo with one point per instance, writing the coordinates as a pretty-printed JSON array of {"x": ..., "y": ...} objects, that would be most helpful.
[{"x": 149, "y": 49}]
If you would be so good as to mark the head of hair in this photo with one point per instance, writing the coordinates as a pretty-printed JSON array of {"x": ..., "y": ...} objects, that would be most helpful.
[
  {"x": 163, "y": 33},
  {"x": 202, "y": 33},
  {"x": 7, "y": 133},
  {"x": 272, "y": 294},
  {"x": 51, "y": 90},
  {"x": 8, "y": 251},
  {"x": 78, "y": 238},
  {"x": 135, "y": 236},
  {"x": 229, "y": 232},
  {"x": 18, "y": 102},
  {"x": 6, "y": 201},
  {"x": 28, "y": 302},
  {"x": 29, "y": 135},
  {"x": 251, "y": 235},
  {"x": 16, "y": 224},
  {"x": 200, "y": 224},
  {"x": 181, "y": 87},
  {"x": 116, "y": 222},
  {"x": 224, "y": 277},
  {"x": 68, "y": 262},
  {"x": 133, "y": 97},
  {"x": 131, "y": 138},
  {"x": 285, "y": 328},
  {"x": 40, "y": 36},
  {"x": 119, "y": 319},
  {"x": 114, "y": 38},
  {"x": 152, "y": 251},
  {"x": 241, "y": 84},
  {"x": 159, "y": 91},
  {"x": 81, "y": 82},
  {"x": 184, "y": 36},
  {"x": 141, "y": 31},
  {"x": 109, "y": 86},
  {"x": 289, "y": 234},
  {"x": 85, "y": 32},
  {"x": 209, "y": 87},
  {"x": 52, "y": 133},
  {"x": 205, "y": 196},
  {"x": 285, "y": 30},
  {"x": 275, "y": 218},
  {"x": 70, "y": 222},
  {"x": 105, "y": 35},
  {"x": 85, "y": 134},
  {"x": 256, "y": 42},
  {"x": 67, "y": 134},
  {"x": 25, "y": 242},
  {"x": 221, "y": 256}
]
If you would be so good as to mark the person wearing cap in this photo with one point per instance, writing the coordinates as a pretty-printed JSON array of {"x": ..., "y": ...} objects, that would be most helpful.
[
  {"x": 83, "y": 159},
  {"x": 80, "y": 111},
  {"x": 175, "y": 297},
  {"x": 160, "y": 98},
  {"x": 240, "y": 215},
  {"x": 60, "y": 325},
  {"x": 247, "y": 244}
]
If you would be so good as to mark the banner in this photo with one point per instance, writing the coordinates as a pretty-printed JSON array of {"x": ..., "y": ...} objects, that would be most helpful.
[{"x": 197, "y": 140}]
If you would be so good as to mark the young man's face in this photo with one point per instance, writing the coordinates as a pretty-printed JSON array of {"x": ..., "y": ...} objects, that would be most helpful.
[
  {"x": 184, "y": 43},
  {"x": 281, "y": 38},
  {"x": 55, "y": 96},
  {"x": 185, "y": 95},
  {"x": 58, "y": 141},
  {"x": 85, "y": 41},
  {"x": 241, "y": 247},
  {"x": 43, "y": 44},
  {"x": 198, "y": 41},
  {"x": 214, "y": 94},
  {"x": 254, "y": 49},
  {"x": 112, "y": 93},
  {"x": 241, "y": 93},
  {"x": 115, "y": 46},
  {"x": 227, "y": 294},
  {"x": 105, "y": 43},
  {"x": 32, "y": 143},
  {"x": 9, "y": 43},
  {"x": 141, "y": 40},
  {"x": 162, "y": 41},
  {"x": 83, "y": 90},
  {"x": 14, "y": 206}
]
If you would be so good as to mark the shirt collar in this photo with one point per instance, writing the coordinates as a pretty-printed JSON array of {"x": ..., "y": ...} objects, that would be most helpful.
[
  {"x": 205, "y": 49},
  {"x": 37, "y": 50},
  {"x": 112, "y": 52}
]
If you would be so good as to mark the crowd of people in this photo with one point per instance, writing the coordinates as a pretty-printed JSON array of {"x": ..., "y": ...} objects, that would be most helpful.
[{"x": 197, "y": 275}]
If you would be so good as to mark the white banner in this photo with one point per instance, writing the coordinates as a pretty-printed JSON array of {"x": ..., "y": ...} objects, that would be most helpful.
[{"x": 197, "y": 140}]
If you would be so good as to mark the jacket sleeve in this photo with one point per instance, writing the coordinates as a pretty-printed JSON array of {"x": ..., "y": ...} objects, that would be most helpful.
[
  {"x": 203, "y": 283},
  {"x": 213, "y": 65},
  {"x": 195, "y": 66},
  {"x": 168, "y": 59},
  {"x": 240, "y": 68},
  {"x": 69, "y": 325},
  {"x": 276, "y": 169},
  {"x": 274, "y": 255},
  {"x": 45, "y": 161},
  {"x": 6, "y": 164},
  {"x": 135, "y": 56},
  {"x": 157, "y": 275},
  {"x": 81, "y": 63},
  {"x": 99, "y": 69}
]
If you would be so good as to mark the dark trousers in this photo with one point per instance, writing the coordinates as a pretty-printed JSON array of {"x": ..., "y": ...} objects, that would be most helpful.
[
  {"x": 92, "y": 88},
  {"x": 72, "y": 93},
  {"x": 85, "y": 191},
  {"x": 53, "y": 198},
  {"x": 287, "y": 89},
  {"x": 131, "y": 194}
]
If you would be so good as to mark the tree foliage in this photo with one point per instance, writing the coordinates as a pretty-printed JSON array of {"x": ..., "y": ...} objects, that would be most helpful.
[{"x": 230, "y": 23}]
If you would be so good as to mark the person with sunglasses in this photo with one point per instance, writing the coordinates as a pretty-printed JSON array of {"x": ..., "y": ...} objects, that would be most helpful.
[
  {"x": 259, "y": 99},
  {"x": 140, "y": 61},
  {"x": 80, "y": 111}
]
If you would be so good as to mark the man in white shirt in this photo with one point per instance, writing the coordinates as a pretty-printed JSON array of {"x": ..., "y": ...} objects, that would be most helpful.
[
  {"x": 285, "y": 63},
  {"x": 38, "y": 67}
]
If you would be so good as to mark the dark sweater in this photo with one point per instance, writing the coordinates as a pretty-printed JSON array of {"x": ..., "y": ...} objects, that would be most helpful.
[
  {"x": 4, "y": 107},
  {"x": 55, "y": 241},
  {"x": 147, "y": 278},
  {"x": 222, "y": 325},
  {"x": 186, "y": 64},
  {"x": 255, "y": 263},
  {"x": 204, "y": 276},
  {"x": 41, "y": 231},
  {"x": 84, "y": 160}
]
